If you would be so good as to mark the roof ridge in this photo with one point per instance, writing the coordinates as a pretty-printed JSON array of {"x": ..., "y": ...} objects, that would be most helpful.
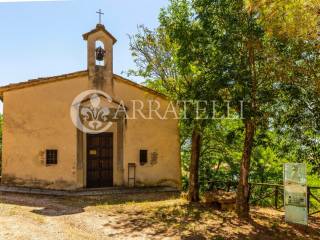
[
  {"x": 43, "y": 80},
  {"x": 140, "y": 86}
]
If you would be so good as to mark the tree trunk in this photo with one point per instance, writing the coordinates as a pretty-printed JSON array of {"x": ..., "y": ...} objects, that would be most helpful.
[
  {"x": 243, "y": 191},
  {"x": 193, "y": 194},
  {"x": 242, "y": 204}
]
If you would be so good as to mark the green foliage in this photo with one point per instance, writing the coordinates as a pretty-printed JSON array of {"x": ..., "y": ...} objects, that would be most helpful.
[
  {"x": 288, "y": 19},
  {"x": 201, "y": 51}
]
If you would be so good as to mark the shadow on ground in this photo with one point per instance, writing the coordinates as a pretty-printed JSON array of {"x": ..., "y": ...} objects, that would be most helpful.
[
  {"x": 151, "y": 214},
  {"x": 58, "y": 206},
  {"x": 199, "y": 221}
]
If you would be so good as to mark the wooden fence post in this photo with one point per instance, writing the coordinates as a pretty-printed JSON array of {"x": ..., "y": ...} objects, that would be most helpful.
[
  {"x": 276, "y": 196},
  {"x": 308, "y": 199}
]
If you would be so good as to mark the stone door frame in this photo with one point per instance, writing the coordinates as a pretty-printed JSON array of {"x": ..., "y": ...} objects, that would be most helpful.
[{"x": 81, "y": 163}]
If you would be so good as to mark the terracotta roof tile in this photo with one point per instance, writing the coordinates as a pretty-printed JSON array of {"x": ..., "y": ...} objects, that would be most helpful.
[{"x": 63, "y": 77}]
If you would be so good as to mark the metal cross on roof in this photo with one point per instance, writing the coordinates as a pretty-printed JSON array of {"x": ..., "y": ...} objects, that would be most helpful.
[{"x": 100, "y": 13}]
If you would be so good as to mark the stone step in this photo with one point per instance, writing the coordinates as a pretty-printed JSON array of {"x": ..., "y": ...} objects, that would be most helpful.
[{"x": 86, "y": 192}]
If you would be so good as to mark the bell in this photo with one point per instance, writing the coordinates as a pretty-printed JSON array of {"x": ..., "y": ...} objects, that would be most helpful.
[{"x": 100, "y": 52}]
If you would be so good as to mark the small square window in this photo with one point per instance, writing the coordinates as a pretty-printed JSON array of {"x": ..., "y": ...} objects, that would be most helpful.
[
  {"x": 143, "y": 157},
  {"x": 51, "y": 157}
]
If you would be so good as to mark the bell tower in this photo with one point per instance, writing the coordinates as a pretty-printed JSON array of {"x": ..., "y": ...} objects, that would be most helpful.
[{"x": 100, "y": 57}]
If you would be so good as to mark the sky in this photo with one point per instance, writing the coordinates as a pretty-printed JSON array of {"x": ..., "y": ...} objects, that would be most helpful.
[{"x": 44, "y": 38}]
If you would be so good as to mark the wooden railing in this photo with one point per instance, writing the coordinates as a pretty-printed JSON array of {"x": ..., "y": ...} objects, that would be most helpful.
[
  {"x": 311, "y": 195},
  {"x": 269, "y": 194}
]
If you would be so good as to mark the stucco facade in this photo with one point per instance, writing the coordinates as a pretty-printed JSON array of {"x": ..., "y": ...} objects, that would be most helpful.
[{"x": 37, "y": 117}]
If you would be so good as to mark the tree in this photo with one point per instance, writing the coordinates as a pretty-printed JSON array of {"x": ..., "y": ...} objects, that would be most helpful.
[
  {"x": 242, "y": 50},
  {"x": 156, "y": 58},
  {"x": 235, "y": 51},
  {"x": 234, "y": 35},
  {"x": 169, "y": 62},
  {"x": 281, "y": 24}
]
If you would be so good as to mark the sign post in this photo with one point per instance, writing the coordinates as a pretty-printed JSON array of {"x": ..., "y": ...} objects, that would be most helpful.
[{"x": 295, "y": 193}]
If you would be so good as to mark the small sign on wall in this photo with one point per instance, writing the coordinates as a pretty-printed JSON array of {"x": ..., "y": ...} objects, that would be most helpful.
[
  {"x": 42, "y": 157},
  {"x": 154, "y": 158},
  {"x": 295, "y": 193},
  {"x": 93, "y": 152}
]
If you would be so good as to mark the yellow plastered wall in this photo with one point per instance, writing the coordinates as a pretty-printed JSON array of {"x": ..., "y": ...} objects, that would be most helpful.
[
  {"x": 37, "y": 118},
  {"x": 160, "y": 136}
]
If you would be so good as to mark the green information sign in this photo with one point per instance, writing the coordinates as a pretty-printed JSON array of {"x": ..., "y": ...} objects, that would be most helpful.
[{"x": 295, "y": 193}]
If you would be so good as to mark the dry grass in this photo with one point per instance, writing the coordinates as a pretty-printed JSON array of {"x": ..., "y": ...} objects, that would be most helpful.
[{"x": 139, "y": 216}]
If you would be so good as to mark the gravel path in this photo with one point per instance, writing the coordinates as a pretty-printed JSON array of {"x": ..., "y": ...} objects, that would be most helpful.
[{"x": 139, "y": 216}]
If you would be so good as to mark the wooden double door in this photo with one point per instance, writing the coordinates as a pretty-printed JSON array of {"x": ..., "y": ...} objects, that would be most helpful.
[{"x": 99, "y": 160}]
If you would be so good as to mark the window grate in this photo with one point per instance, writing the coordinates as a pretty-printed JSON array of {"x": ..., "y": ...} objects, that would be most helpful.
[
  {"x": 51, "y": 156},
  {"x": 143, "y": 157}
]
